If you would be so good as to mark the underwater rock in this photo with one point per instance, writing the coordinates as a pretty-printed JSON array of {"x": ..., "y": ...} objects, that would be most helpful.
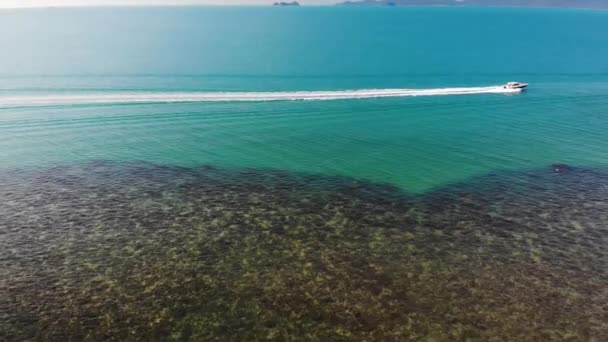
[{"x": 561, "y": 168}]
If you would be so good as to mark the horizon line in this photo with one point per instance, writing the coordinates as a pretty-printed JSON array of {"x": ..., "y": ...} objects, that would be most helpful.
[
  {"x": 269, "y": 4},
  {"x": 150, "y": 3}
]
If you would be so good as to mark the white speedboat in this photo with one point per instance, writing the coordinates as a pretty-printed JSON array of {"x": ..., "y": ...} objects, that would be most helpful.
[{"x": 515, "y": 85}]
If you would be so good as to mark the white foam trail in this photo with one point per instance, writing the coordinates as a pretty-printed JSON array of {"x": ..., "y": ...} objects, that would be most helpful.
[{"x": 168, "y": 97}]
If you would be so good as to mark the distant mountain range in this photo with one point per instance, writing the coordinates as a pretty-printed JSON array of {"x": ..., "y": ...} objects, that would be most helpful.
[
  {"x": 284, "y": 4},
  {"x": 593, "y": 4}
]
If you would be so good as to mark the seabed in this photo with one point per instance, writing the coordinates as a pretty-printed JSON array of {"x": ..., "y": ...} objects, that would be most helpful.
[{"x": 136, "y": 251}]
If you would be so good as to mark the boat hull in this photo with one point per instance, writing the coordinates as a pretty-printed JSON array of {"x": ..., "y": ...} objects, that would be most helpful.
[{"x": 520, "y": 86}]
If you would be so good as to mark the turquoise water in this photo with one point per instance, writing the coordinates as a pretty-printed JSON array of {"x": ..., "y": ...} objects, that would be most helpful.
[
  {"x": 415, "y": 143},
  {"x": 412, "y": 217}
]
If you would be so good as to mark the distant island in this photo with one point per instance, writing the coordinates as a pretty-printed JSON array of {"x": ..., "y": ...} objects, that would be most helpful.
[
  {"x": 591, "y": 4},
  {"x": 293, "y": 3}
]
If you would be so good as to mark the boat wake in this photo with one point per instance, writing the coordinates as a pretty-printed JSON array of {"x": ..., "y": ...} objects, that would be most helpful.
[{"x": 174, "y": 97}]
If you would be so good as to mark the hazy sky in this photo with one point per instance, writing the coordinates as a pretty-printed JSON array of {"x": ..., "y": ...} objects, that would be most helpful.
[{"x": 38, "y": 3}]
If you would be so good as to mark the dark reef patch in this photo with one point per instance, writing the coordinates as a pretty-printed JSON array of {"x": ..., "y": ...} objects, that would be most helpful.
[
  {"x": 561, "y": 168},
  {"x": 109, "y": 251}
]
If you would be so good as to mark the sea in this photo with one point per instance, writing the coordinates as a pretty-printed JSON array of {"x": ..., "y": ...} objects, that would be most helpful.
[{"x": 311, "y": 173}]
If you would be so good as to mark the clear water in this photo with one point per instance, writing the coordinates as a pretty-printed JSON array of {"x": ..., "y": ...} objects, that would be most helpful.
[
  {"x": 415, "y": 143},
  {"x": 406, "y": 217}
]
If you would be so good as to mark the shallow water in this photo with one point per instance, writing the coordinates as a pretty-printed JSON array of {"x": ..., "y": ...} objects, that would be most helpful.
[{"x": 139, "y": 251}]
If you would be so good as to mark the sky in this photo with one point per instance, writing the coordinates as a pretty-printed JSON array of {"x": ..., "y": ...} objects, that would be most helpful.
[{"x": 46, "y": 3}]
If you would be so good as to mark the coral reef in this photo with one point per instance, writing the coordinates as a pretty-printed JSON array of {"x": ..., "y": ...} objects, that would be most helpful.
[{"x": 135, "y": 251}]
